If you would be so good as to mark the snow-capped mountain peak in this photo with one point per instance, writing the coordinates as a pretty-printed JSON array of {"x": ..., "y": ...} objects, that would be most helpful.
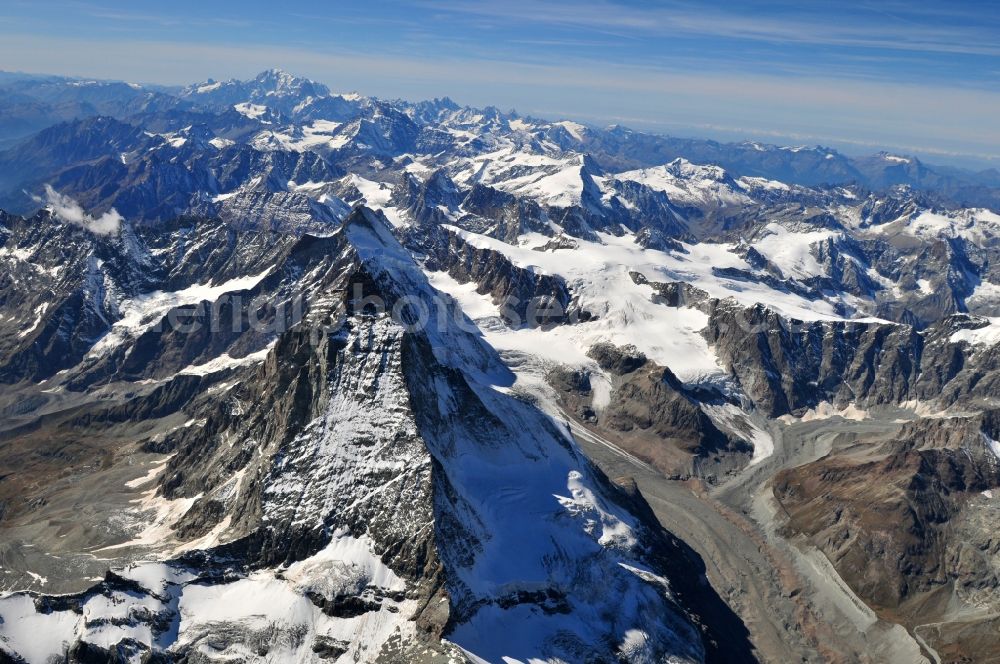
[{"x": 330, "y": 367}]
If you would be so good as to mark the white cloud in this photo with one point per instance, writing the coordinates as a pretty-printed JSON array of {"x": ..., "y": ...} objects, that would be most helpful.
[{"x": 69, "y": 210}]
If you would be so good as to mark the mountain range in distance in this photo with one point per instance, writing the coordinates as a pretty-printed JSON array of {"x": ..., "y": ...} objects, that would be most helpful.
[{"x": 294, "y": 375}]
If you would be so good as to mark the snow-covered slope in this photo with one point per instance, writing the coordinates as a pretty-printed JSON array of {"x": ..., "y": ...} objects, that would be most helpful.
[
  {"x": 312, "y": 361},
  {"x": 690, "y": 184},
  {"x": 414, "y": 491}
]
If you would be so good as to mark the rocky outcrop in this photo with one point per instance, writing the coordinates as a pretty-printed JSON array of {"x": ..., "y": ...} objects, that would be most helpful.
[
  {"x": 524, "y": 297},
  {"x": 61, "y": 285},
  {"x": 650, "y": 413},
  {"x": 787, "y": 366},
  {"x": 384, "y": 486},
  {"x": 901, "y": 542},
  {"x": 510, "y": 216},
  {"x": 348, "y": 469}
]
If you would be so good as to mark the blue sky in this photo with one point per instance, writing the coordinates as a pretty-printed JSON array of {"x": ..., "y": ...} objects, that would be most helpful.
[{"x": 914, "y": 76}]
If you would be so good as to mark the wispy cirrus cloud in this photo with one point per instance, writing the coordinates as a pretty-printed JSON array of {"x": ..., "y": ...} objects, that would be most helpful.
[
  {"x": 885, "y": 74},
  {"x": 936, "y": 117},
  {"x": 158, "y": 19},
  {"x": 975, "y": 35}
]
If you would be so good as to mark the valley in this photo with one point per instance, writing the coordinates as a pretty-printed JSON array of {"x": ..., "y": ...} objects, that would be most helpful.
[
  {"x": 288, "y": 374},
  {"x": 794, "y": 603}
]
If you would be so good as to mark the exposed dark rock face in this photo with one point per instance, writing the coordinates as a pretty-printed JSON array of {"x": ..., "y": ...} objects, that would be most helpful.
[
  {"x": 786, "y": 365},
  {"x": 617, "y": 359},
  {"x": 652, "y": 238},
  {"x": 209, "y": 353},
  {"x": 355, "y": 424},
  {"x": 60, "y": 292},
  {"x": 673, "y": 294},
  {"x": 511, "y": 215},
  {"x": 524, "y": 296},
  {"x": 73, "y": 284},
  {"x": 430, "y": 201},
  {"x": 656, "y": 404}
]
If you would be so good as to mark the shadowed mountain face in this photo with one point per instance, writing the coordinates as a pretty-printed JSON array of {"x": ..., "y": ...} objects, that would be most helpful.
[
  {"x": 368, "y": 483},
  {"x": 289, "y": 375}
]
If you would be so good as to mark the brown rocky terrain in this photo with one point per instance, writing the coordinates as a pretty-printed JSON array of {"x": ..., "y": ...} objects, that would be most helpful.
[
  {"x": 900, "y": 520},
  {"x": 650, "y": 414}
]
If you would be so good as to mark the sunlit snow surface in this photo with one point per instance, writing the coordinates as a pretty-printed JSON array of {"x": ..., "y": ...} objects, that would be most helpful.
[
  {"x": 598, "y": 275},
  {"x": 319, "y": 135},
  {"x": 266, "y": 600},
  {"x": 555, "y": 181},
  {"x": 252, "y": 111},
  {"x": 792, "y": 252},
  {"x": 689, "y": 184},
  {"x": 988, "y": 335},
  {"x": 976, "y": 224},
  {"x": 140, "y": 313}
]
